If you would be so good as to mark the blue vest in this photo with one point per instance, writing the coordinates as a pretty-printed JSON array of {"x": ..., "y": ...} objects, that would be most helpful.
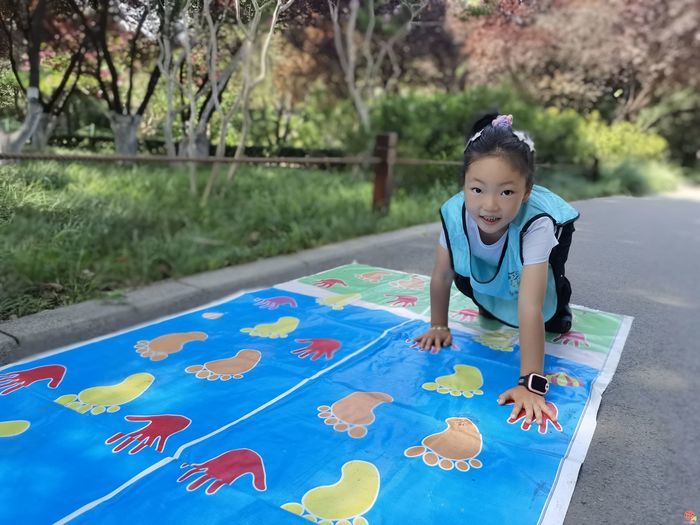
[{"x": 495, "y": 288}]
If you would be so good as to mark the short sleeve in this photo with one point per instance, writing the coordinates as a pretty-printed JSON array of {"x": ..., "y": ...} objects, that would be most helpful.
[
  {"x": 443, "y": 240},
  {"x": 538, "y": 241}
]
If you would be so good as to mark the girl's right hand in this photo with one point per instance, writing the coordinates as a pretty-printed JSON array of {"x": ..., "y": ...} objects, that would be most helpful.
[{"x": 434, "y": 340}]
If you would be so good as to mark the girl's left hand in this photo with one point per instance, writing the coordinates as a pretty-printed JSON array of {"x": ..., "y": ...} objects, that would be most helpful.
[{"x": 533, "y": 404}]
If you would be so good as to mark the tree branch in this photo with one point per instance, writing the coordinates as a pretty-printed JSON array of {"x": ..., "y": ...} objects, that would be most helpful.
[
  {"x": 132, "y": 56},
  {"x": 11, "y": 53}
]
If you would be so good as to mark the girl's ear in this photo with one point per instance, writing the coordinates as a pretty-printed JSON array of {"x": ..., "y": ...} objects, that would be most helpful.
[{"x": 527, "y": 195}]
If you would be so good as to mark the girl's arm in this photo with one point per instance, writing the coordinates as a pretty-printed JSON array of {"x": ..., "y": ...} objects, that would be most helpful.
[
  {"x": 533, "y": 286},
  {"x": 440, "y": 284}
]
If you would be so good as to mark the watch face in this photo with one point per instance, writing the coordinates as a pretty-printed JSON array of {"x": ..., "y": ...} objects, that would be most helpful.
[{"x": 539, "y": 383}]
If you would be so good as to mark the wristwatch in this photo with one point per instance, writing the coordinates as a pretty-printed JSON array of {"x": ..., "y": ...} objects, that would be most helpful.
[{"x": 535, "y": 383}]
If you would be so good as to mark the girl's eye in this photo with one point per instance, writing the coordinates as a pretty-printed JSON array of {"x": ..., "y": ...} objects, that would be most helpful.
[
  {"x": 508, "y": 193},
  {"x": 476, "y": 190}
]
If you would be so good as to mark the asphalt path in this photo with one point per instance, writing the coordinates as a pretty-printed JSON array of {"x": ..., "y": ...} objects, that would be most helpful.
[{"x": 633, "y": 256}]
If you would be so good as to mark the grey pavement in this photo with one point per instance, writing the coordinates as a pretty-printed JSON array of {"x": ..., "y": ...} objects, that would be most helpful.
[{"x": 635, "y": 256}]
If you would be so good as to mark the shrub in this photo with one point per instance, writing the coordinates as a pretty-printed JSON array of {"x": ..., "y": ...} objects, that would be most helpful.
[{"x": 619, "y": 140}]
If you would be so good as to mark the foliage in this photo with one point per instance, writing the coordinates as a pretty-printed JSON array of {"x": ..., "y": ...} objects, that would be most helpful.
[
  {"x": 675, "y": 118},
  {"x": 435, "y": 127},
  {"x": 619, "y": 140},
  {"x": 318, "y": 122},
  {"x": 83, "y": 231},
  {"x": 635, "y": 177},
  {"x": 8, "y": 91},
  {"x": 617, "y": 56}
]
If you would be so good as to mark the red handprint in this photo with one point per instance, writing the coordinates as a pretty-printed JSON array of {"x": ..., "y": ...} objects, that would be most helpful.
[
  {"x": 330, "y": 283},
  {"x": 157, "y": 430},
  {"x": 273, "y": 303},
  {"x": 16, "y": 380},
  {"x": 546, "y": 420},
  {"x": 317, "y": 348},
  {"x": 577, "y": 339},
  {"x": 403, "y": 300},
  {"x": 225, "y": 469},
  {"x": 466, "y": 314}
]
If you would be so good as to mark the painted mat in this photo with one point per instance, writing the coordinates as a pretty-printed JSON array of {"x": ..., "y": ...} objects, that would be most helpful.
[{"x": 306, "y": 401}]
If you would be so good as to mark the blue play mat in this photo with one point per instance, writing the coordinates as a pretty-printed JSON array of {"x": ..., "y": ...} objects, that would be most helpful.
[{"x": 305, "y": 401}]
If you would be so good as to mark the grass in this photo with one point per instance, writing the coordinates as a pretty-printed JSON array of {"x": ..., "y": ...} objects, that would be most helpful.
[
  {"x": 72, "y": 232},
  {"x": 77, "y": 232}
]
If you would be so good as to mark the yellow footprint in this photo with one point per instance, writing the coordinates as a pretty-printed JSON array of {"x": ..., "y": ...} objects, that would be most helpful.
[
  {"x": 13, "y": 428},
  {"x": 343, "y": 502},
  {"x": 501, "y": 340},
  {"x": 466, "y": 381},
  {"x": 338, "y": 301},
  {"x": 281, "y": 328},
  {"x": 99, "y": 399}
]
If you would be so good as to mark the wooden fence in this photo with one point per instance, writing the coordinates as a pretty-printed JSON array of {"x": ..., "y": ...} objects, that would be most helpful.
[{"x": 383, "y": 161}]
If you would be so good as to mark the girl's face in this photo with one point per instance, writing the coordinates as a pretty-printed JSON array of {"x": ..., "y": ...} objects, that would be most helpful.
[{"x": 494, "y": 192}]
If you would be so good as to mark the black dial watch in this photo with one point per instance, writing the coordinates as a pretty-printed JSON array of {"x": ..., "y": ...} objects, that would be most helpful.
[{"x": 535, "y": 383}]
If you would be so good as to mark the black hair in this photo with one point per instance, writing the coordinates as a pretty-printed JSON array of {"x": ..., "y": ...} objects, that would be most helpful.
[{"x": 499, "y": 141}]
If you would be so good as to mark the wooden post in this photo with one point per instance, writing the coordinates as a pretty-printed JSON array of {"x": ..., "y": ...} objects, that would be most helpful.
[{"x": 385, "y": 149}]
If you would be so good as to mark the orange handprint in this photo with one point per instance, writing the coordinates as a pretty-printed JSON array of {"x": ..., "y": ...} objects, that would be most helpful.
[
  {"x": 415, "y": 282},
  {"x": 372, "y": 277}
]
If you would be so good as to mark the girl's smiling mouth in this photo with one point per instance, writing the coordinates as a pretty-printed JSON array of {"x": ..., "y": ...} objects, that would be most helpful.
[{"x": 489, "y": 219}]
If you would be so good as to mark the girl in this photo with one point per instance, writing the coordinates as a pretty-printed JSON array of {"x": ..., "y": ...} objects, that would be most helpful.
[{"x": 504, "y": 244}]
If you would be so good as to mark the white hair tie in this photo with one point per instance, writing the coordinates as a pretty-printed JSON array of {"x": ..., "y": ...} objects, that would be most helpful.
[{"x": 521, "y": 136}]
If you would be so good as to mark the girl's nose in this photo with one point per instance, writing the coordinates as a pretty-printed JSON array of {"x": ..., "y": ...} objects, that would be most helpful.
[{"x": 490, "y": 203}]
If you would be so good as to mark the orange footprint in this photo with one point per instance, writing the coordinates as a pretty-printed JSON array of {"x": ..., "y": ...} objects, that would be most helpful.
[
  {"x": 455, "y": 447},
  {"x": 161, "y": 347},
  {"x": 354, "y": 412},
  {"x": 224, "y": 369}
]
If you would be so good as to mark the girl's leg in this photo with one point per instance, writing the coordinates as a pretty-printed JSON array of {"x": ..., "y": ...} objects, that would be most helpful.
[
  {"x": 465, "y": 286},
  {"x": 562, "y": 319}
]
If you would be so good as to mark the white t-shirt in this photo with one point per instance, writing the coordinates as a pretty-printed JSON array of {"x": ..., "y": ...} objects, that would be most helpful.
[{"x": 537, "y": 243}]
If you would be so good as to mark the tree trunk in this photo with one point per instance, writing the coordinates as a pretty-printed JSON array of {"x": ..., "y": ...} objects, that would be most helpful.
[
  {"x": 125, "y": 129},
  {"x": 197, "y": 149},
  {"x": 15, "y": 141},
  {"x": 42, "y": 132}
]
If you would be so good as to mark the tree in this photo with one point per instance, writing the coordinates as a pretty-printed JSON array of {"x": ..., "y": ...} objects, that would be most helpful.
[
  {"x": 586, "y": 54},
  {"x": 123, "y": 36},
  {"x": 40, "y": 33},
  {"x": 661, "y": 52},
  {"x": 363, "y": 49},
  {"x": 222, "y": 56}
]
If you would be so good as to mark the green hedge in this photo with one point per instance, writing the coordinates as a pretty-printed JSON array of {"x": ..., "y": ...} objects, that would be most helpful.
[{"x": 435, "y": 126}]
